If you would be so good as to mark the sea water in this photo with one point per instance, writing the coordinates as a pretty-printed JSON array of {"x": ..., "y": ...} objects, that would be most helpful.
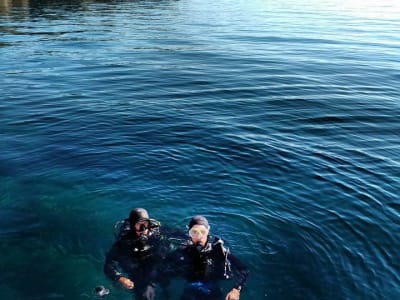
[{"x": 278, "y": 120}]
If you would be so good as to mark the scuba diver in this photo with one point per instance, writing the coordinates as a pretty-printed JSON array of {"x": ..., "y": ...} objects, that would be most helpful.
[
  {"x": 203, "y": 261},
  {"x": 134, "y": 258}
]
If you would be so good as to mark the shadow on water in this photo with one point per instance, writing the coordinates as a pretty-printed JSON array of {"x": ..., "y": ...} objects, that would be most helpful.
[
  {"x": 49, "y": 8},
  {"x": 28, "y": 8},
  {"x": 52, "y": 245}
]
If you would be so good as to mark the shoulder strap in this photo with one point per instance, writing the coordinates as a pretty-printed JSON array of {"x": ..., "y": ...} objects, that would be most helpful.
[{"x": 219, "y": 243}]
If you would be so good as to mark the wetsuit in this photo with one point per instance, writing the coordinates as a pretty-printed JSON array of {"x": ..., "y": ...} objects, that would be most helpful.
[
  {"x": 135, "y": 258},
  {"x": 203, "y": 267}
]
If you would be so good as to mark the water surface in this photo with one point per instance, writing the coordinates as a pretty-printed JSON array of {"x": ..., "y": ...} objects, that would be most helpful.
[{"x": 278, "y": 120}]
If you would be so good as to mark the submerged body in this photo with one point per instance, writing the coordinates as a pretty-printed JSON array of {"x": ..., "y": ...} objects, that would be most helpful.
[
  {"x": 204, "y": 261},
  {"x": 134, "y": 258}
]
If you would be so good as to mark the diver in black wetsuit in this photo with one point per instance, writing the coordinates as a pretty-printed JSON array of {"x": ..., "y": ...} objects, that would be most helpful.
[
  {"x": 203, "y": 261},
  {"x": 134, "y": 258}
]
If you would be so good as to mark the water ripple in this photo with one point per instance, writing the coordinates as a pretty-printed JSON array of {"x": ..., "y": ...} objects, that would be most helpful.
[{"x": 277, "y": 120}]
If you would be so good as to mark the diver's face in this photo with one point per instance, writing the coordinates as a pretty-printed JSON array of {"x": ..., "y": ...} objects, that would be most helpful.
[
  {"x": 199, "y": 234},
  {"x": 142, "y": 227}
]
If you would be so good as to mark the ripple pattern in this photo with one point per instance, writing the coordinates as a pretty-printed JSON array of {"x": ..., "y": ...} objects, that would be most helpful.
[{"x": 278, "y": 120}]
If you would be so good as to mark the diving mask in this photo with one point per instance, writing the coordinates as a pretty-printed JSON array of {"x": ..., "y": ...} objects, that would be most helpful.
[{"x": 197, "y": 232}]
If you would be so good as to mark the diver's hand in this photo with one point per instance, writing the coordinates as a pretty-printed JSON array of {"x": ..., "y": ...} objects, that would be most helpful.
[
  {"x": 149, "y": 293},
  {"x": 126, "y": 283},
  {"x": 234, "y": 294}
]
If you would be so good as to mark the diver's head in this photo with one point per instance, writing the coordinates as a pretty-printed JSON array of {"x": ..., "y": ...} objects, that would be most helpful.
[
  {"x": 140, "y": 222},
  {"x": 198, "y": 230}
]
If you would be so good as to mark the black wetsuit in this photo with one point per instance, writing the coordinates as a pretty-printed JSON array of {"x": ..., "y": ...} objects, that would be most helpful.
[
  {"x": 203, "y": 267},
  {"x": 135, "y": 258}
]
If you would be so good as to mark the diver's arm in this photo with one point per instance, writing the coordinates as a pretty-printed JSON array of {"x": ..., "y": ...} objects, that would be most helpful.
[
  {"x": 240, "y": 272},
  {"x": 111, "y": 265},
  {"x": 111, "y": 268}
]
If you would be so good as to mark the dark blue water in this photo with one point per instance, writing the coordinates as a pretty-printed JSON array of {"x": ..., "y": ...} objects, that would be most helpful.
[{"x": 278, "y": 120}]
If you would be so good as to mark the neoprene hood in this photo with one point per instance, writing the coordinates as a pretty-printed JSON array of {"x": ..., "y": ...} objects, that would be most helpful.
[
  {"x": 199, "y": 220},
  {"x": 138, "y": 214}
]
